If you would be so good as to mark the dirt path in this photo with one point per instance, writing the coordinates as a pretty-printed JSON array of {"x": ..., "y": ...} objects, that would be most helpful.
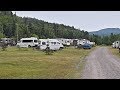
[{"x": 101, "y": 64}]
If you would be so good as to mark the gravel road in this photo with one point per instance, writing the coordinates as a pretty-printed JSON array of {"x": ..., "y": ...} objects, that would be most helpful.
[{"x": 101, "y": 64}]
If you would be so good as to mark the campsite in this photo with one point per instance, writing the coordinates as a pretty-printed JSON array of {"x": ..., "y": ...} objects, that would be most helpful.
[{"x": 59, "y": 45}]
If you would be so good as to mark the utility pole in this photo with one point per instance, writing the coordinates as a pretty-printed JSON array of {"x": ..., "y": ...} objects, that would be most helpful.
[
  {"x": 2, "y": 28},
  {"x": 17, "y": 30},
  {"x": 16, "y": 25}
]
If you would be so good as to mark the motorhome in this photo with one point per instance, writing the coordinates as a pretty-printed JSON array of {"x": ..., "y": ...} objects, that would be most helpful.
[
  {"x": 28, "y": 42},
  {"x": 53, "y": 44}
]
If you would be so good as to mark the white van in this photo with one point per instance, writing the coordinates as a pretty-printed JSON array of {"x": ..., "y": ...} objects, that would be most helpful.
[
  {"x": 28, "y": 42},
  {"x": 53, "y": 44}
]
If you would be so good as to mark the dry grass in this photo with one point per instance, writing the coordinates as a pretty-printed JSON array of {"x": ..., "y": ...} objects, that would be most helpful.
[{"x": 32, "y": 64}]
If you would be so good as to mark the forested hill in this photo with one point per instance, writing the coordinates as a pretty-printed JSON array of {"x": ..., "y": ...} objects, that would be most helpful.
[
  {"x": 106, "y": 32},
  {"x": 12, "y": 25}
]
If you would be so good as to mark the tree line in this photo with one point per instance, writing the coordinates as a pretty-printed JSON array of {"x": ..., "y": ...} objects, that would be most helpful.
[
  {"x": 104, "y": 40},
  {"x": 13, "y": 26}
]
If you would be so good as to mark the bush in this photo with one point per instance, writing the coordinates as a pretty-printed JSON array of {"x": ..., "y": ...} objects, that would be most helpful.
[
  {"x": 4, "y": 46},
  {"x": 48, "y": 51}
]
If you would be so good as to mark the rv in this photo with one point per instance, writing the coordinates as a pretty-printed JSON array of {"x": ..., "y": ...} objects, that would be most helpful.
[
  {"x": 75, "y": 42},
  {"x": 117, "y": 43},
  {"x": 113, "y": 45},
  {"x": 83, "y": 41},
  {"x": 65, "y": 42},
  {"x": 53, "y": 44},
  {"x": 92, "y": 43},
  {"x": 28, "y": 42},
  {"x": 8, "y": 41}
]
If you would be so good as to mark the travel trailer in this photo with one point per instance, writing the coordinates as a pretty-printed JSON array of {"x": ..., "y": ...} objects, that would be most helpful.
[
  {"x": 65, "y": 42},
  {"x": 75, "y": 42},
  {"x": 117, "y": 43},
  {"x": 92, "y": 43},
  {"x": 113, "y": 45},
  {"x": 28, "y": 42},
  {"x": 8, "y": 41},
  {"x": 53, "y": 44}
]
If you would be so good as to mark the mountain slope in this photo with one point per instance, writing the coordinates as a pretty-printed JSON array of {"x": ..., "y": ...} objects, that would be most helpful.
[{"x": 106, "y": 31}]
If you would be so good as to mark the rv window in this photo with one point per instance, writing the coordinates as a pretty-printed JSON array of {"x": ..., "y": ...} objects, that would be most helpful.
[
  {"x": 43, "y": 43},
  {"x": 27, "y": 40},
  {"x": 35, "y": 41},
  {"x": 58, "y": 43},
  {"x": 54, "y": 42}
]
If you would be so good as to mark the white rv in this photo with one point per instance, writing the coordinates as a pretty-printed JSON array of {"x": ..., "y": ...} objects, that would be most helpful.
[
  {"x": 117, "y": 43},
  {"x": 65, "y": 42},
  {"x": 83, "y": 41},
  {"x": 28, "y": 42},
  {"x": 113, "y": 45},
  {"x": 53, "y": 44},
  {"x": 92, "y": 43}
]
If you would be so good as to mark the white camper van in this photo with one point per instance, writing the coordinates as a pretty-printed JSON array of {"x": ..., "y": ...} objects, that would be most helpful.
[
  {"x": 28, "y": 42},
  {"x": 54, "y": 44}
]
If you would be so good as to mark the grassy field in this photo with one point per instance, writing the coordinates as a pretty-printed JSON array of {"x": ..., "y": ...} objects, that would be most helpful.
[
  {"x": 115, "y": 51},
  {"x": 33, "y": 64}
]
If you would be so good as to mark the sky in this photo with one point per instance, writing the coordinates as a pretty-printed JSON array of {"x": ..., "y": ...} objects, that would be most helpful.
[{"x": 83, "y": 20}]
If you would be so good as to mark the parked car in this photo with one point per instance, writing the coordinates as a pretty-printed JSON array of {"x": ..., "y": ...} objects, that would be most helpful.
[{"x": 87, "y": 46}]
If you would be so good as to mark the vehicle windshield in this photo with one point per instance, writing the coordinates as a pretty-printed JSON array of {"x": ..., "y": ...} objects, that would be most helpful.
[
  {"x": 43, "y": 43},
  {"x": 35, "y": 41}
]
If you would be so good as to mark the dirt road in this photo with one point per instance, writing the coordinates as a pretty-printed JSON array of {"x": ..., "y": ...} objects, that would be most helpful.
[{"x": 101, "y": 64}]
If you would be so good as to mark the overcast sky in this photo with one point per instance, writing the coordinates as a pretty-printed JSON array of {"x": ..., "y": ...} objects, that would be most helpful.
[{"x": 84, "y": 20}]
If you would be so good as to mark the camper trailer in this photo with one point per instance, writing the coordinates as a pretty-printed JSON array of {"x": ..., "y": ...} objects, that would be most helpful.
[
  {"x": 53, "y": 44},
  {"x": 28, "y": 42},
  {"x": 117, "y": 43},
  {"x": 8, "y": 41},
  {"x": 113, "y": 45},
  {"x": 92, "y": 43},
  {"x": 75, "y": 42}
]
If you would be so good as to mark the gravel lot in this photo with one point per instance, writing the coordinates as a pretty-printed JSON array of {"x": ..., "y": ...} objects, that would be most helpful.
[{"x": 101, "y": 64}]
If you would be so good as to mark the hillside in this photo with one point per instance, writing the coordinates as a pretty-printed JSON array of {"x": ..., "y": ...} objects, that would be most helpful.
[
  {"x": 106, "y": 32},
  {"x": 11, "y": 25}
]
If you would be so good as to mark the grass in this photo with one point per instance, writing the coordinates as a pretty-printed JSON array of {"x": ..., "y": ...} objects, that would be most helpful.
[
  {"x": 115, "y": 51},
  {"x": 33, "y": 64}
]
